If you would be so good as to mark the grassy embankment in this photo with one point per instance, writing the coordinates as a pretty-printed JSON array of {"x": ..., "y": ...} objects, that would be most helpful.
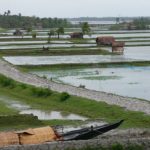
[
  {"x": 45, "y": 99},
  {"x": 27, "y": 68},
  {"x": 54, "y": 52}
]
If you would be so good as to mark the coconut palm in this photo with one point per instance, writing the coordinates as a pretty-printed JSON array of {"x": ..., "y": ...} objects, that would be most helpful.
[
  {"x": 50, "y": 34},
  {"x": 60, "y": 31},
  {"x": 8, "y": 12}
]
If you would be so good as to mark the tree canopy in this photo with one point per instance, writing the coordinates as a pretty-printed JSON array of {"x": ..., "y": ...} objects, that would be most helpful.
[
  {"x": 60, "y": 31},
  {"x": 85, "y": 28},
  {"x": 17, "y": 21}
]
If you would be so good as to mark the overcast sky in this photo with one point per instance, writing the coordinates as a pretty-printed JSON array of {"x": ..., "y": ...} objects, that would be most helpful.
[{"x": 77, "y": 8}]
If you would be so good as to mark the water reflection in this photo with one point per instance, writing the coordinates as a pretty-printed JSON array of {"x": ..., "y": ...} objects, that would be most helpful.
[{"x": 43, "y": 115}]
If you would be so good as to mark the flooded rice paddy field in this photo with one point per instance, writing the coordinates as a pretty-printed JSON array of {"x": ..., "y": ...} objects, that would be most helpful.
[
  {"x": 117, "y": 34},
  {"x": 125, "y": 81},
  {"x": 73, "y": 59},
  {"x": 65, "y": 44},
  {"x": 130, "y": 54}
]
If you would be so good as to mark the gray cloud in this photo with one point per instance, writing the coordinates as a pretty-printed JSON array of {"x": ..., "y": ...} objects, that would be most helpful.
[{"x": 77, "y": 8}]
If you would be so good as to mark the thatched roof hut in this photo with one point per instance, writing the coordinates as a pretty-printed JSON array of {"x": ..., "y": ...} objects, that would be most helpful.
[
  {"x": 105, "y": 40},
  {"x": 78, "y": 35},
  {"x": 37, "y": 135},
  {"x": 8, "y": 138},
  {"x": 118, "y": 47}
]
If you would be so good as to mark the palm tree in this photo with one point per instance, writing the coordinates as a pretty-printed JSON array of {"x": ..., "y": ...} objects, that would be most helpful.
[
  {"x": 50, "y": 33},
  {"x": 8, "y": 12},
  {"x": 85, "y": 28},
  {"x": 60, "y": 31}
]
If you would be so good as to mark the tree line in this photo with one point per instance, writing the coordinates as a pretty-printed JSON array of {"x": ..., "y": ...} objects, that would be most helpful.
[{"x": 18, "y": 21}]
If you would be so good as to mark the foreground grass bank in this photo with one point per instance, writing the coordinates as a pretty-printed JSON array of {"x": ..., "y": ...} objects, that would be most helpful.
[{"x": 45, "y": 99}]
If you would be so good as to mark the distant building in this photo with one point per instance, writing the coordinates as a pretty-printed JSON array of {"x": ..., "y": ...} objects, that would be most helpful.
[
  {"x": 105, "y": 40},
  {"x": 118, "y": 47},
  {"x": 78, "y": 35}
]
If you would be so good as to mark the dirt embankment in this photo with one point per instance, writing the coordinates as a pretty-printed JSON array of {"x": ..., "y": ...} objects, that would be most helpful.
[{"x": 126, "y": 102}]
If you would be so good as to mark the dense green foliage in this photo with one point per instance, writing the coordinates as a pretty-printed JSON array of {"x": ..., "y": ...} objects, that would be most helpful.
[
  {"x": 19, "y": 122},
  {"x": 18, "y": 21},
  {"x": 85, "y": 28},
  {"x": 40, "y": 92},
  {"x": 60, "y": 31},
  {"x": 141, "y": 23},
  {"x": 64, "y": 96}
]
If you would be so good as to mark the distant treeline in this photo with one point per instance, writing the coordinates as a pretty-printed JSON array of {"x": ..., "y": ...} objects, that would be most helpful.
[
  {"x": 102, "y": 18},
  {"x": 18, "y": 21}
]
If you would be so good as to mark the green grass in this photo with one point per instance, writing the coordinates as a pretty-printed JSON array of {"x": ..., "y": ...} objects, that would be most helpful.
[
  {"x": 15, "y": 122},
  {"x": 79, "y": 41},
  {"x": 78, "y": 105},
  {"x": 53, "y": 52},
  {"x": 4, "y": 110}
]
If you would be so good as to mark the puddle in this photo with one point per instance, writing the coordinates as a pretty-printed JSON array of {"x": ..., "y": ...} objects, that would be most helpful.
[{"x": 42, "y": 115}]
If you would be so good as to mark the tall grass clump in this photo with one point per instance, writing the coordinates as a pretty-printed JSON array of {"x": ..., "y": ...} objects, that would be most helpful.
[
  {"x": 6, "y": 82},
  {"x": 64, "y": 96},
  {"x": 23, "y": 86},
  {"x": 40, "y": 92}
]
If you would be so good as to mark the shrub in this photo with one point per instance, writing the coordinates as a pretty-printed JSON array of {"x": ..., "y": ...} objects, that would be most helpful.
[
  {"x": 41, "y": 92},
  {"x": 6, "y": 82},
  {"x": 117, "y": 147},
  {"x": 23, "y": 86},
  {"x": 81, "y": 86},
  {"x": 64, "y": 96}
]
